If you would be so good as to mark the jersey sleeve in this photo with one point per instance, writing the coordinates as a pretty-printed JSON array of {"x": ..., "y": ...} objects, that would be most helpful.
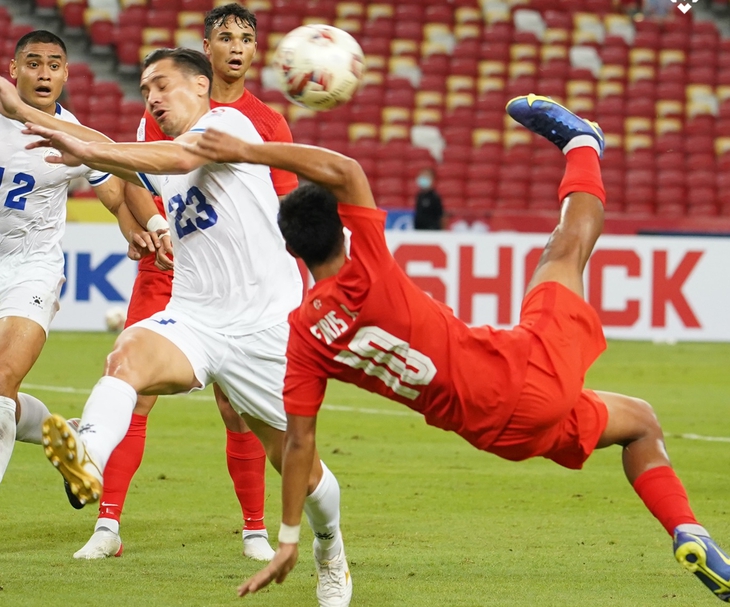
[
  {"x": 228, "y": 120},
  {"x": 304, "y": 381},
  {"x": 149, "y": 130},
  {"x": 96, "y": 178},
  {"x": 284, "y": 181}
]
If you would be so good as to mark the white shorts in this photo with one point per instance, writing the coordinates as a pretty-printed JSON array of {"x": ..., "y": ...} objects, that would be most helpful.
[
  {"x": 248, "y": 368},
  {"x": 30, "y": 290}
]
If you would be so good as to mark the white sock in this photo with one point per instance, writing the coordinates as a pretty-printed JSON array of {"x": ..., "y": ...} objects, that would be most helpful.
[
  {"x": 106, "y": 418},
  {"x": 32, "y": 415},
  {"x": 322, "y": 508},
  {"x": 108, "y": 523},
  {"x": 7, "y": 432},
  {"x": 693, "y": 529},
  {"x": 582, "y": 141}
]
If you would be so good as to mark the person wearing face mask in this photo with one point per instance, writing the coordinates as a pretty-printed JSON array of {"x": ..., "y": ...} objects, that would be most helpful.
[{"x": 429, "y": 210}]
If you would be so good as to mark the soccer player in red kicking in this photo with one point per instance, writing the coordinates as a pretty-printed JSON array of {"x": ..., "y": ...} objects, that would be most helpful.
[
  {"x": 230, "y": 43},
  {"x": 516, "y": 393}
]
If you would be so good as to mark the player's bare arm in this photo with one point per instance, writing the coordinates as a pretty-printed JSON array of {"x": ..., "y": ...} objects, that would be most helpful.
[
  {"x": 143, "y": 208},
  {"x": 121, "y": 159},
  {"x": 341, "y": 175},
  {"x": 111, "y": 195},
  {"x": 298, "y": 455},
  {"x": 13, "y": 107}
]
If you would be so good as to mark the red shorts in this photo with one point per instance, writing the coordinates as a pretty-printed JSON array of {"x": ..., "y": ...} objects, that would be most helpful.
[
  {"x": 555, "y": 417},
  {"x": 150, "y": 294}
]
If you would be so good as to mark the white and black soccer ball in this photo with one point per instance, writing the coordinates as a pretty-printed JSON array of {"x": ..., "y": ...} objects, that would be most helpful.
[
  {"x": 115, "y": 318},
  {"x": 318, "y": 67}
]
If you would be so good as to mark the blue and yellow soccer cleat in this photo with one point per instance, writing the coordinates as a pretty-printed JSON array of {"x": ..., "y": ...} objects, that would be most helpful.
[
  {"x": 556, "y": 123},
  {"x": 703, "y": 557}
]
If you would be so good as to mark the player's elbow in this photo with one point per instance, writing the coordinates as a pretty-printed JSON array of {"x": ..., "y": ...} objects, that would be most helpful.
[
  {"x": 349, "y": 171},
  {"x": 185, "y": 163}
]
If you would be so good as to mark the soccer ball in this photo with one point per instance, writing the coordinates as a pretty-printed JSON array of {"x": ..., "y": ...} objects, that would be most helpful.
[
  {"x": 115, "y": 318},
  {"x": 318, "y": 66}
]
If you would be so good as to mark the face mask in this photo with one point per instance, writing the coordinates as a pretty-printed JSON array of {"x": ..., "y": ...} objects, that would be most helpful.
[{"x": 424, "y": 182}]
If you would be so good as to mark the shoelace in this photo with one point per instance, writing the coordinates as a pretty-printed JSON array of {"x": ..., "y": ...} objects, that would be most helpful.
[{"x": 332, "y": 578}]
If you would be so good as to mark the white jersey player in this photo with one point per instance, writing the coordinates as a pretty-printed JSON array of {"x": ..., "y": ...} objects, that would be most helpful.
[
  {"x": 33, "y": 195},
  {"x": 226, "y": 321}
]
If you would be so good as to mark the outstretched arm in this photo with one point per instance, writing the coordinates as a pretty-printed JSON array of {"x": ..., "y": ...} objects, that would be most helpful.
[
  {"x": 296, "y": 467},
  {"x": 13, "y": 107},
  {"x": 341, "y": 175},
  {"x": 121, "y": 159}
]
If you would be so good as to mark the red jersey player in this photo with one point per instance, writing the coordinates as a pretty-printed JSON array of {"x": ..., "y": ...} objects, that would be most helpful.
[
  {"x": 516, "y": 393},
  {"x": 230, "y": 43}
]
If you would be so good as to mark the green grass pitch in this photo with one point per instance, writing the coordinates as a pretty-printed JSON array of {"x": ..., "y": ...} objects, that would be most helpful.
[{"x": 427, "y": 520}]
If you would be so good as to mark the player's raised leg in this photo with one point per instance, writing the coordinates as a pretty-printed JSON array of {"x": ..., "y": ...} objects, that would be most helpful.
[
  {"x": 581, "y": 190},
  {"x": 21, "y": 342},
  {"x": 142, "y": 361},
  {"x": 633, "y": 425},
  {"x": 246, "y": 459}
]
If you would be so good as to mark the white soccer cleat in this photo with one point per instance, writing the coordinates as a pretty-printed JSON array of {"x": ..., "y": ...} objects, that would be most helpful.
[
  {"x": 334, "y": 584},
  {"x": 102, "y": 544},
  {"x": 67, "y": 453},
  {"x": 257, "y": 548}
]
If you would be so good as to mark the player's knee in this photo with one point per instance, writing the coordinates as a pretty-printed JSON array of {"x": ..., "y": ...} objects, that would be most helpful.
[
  {"x": 120, "y": 360},
  {"x": 645, "y": 416}
]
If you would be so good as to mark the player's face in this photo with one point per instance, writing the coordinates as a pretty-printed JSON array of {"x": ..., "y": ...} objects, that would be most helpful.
[
  {"x": 231, "y": 49},
  {"x": 174, "y": 97},
  {"x": 41, "y": 70}
]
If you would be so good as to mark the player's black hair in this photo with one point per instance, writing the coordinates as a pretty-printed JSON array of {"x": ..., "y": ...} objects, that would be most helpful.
[
  {"x": 220, "y": 14},
  {"x": 310, "y": 224},
  {"x": 39, "y": 37},
  {"x": 193, "y": 62}
]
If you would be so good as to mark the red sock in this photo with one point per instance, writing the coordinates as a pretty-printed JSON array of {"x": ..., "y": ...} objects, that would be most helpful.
[
  {"x": 582, "y": 174},
  {"x": 120, "y": 469},
  {"x": 247, "y": 466},
  {"x": 663, "y": 494}
]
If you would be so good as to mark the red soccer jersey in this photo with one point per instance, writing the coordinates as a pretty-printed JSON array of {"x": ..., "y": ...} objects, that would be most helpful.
[
  {"x": 269, "y": 123},
  {"x": 371, "y": 326}
]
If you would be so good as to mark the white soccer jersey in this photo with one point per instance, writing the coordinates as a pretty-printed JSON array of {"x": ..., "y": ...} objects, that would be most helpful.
[
  {"x": 33, "y": 196},
  {"x": 232, "y": 271}
]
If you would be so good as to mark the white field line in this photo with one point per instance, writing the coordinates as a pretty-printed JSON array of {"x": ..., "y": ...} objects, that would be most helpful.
[
  {"x": 342, "y": 408},
  {"x": 347, "y": 409}
]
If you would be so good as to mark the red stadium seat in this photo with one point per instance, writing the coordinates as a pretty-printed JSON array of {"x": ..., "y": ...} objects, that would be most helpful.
[
  {"x": 670, "y": 201},
  {"x": 409, "y": 12},
  {"x": 702, "y": 202},
  {"x": 73, "y": 18},
  {"x": 639, "y": 200},
  {"x": 102, "y": 33},
  {"x": 134, "y": 15},
  {"x": 202, "y": 6}
]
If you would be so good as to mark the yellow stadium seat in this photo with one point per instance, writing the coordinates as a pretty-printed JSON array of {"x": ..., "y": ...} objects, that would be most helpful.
[
  {"x": 346, "y": 10},
  {"x": 456, "y": 84},
  {"x": 187, "y": 38},
  {"x": 435, "y": 47},
  {"x": 554, "y": 35},
  {"x": 610, "y": 87},
  {"x": 486, "y": 84},
  {"x": 423, "y": 115},
  {"x": 522, "y": 68},
  {"x": 401, "y": 64},
  {"x": 396, "y": 115},
  {"x": 467, "y": 14},
  {"x": 380, "y": 11},
  {"x": 497, "y": 13},
  {"x": 352, "y": 26},
  {"x": 635, "y": 125},
  {"x": 612, "y": 72},
  {"x": 390, "y": 132},
  {"x": 516, "y": 137},
  {"x": 700, "y": 93},
  {"x": 146, "y": 49},
  {"x": 553, "y": 51},
  {"x": 360, "y": 130},
  {"x": 666, "y": 108},
  {"x": 375, "y": 63},
  {"x": 188, "y": 18},
  {"x": 156, "y": 36},
  {"x": 722, "y": 145},
  {"x": 580, "y": 88},
  {"x": 427, "y": 99},
  {"x": 586, "y": 37},
  {"x": 437, "y": 32},
  {"x": 642, "y": 56},
  {"x": 637, "y": 142},
  {"x": 481, "y": 137},
  {"x": 510, "y": 124},
  {"x": 491, "y": 68},
  {"x": 372, "y": 77},
  {"x": 254, "y": 6},
  {"x": 723, "y": 92},
  {"x": 586, "y": 20},
  {"x": 273, "y": 39},
  {"x": 580, "y": 104},
  {"x": 662, "y": 126},
  {"x": 457, "y": 100},
  {"x": 297, "y": 112},
  {"x": 670, "y": 56},
  {"x": 613, "y": 140},
  {"x": 467, "y": 31},
  {"x": 402, "y": 46},
  {"x": 705, "y": 107},
  {"x": 123, "y": 3},
  {"x": 96, "y": 14},
  {"x": 641, "y": 72},
  {"x": 522, "y": 52}
]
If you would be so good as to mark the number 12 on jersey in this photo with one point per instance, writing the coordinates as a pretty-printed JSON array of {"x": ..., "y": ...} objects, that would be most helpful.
[{"x": 16, "y": 197}]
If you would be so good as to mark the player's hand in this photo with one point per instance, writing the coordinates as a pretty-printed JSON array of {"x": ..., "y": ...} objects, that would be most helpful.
[
  {"x": 140, "y": 244},
  {"x": 276, "y": 571},
  {"x": 219, "y": 147},
  {"x": 163, "y": 253},
  {"x": 72, "y": 149},
  {"x": 10, "y": 102}
]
